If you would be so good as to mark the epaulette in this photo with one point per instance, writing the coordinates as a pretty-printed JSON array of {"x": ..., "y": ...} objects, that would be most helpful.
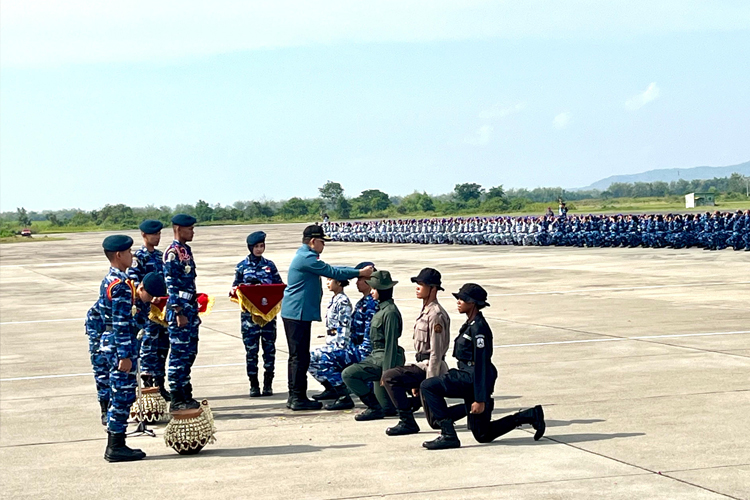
[{"x": 116, "y": 282}]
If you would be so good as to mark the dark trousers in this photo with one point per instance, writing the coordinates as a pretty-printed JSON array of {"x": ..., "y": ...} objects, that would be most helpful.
[
  {"x": 460, "y": 384},
  {"x": 298, "y": 340},
  {"x": 400, "y": 381}
]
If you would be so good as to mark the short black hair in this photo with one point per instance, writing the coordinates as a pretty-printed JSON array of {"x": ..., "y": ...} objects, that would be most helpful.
[
  {"x": 306, "y": 240},
  {"x": 110, "y": 255},
  {"x": 343, "y": 283}
]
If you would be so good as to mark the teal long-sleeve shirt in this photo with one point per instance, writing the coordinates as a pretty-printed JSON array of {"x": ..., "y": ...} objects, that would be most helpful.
[{"x": 304, "y": 289}]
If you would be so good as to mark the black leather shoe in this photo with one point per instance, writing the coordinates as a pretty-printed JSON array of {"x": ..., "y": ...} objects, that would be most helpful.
[
  {"x": 329, "y": 393},
  {"x": 403, "y": 429},
  {"x": 539, "y": 424},
  {"x": 370, "y": 414},
  {"x": 442, "y": 443},
  {"x": 342, "y": 403},
  {"x": 254, "y": 387},
  {"x": 300, "y": 404},
  {"x": 117, "y": 451},
  {"x": 104, "y": 405}
]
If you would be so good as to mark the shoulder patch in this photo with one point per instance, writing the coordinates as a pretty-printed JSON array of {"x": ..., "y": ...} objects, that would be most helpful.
[
  {"x": 438, "y": 328},
  {"x": 480, "y": 342}
]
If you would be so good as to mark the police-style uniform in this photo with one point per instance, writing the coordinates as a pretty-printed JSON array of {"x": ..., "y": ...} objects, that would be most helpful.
[
  {"x": 431, "y": 340},
  {"x": 179, "y": 275},
  {"x": 473, "y": 381}
]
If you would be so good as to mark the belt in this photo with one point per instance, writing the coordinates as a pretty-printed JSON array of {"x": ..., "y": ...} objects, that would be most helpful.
[
  {"x": 424, "y": 356},
  {"x": 466, "y": 363},
  {"x": 186, "y": 295}
]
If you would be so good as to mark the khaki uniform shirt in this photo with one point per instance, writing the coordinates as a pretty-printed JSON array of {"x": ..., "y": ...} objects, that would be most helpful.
[{"x": 432, "y": 336}]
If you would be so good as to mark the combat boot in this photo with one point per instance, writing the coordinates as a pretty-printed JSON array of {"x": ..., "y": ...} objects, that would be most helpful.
[
  {"x": 329, "y": 393},
  {"x": 535, "y": 417},
  {"x": 373, "y": 412},
  {"x": 406, "y": 425},
  {"x": 147, "y": 380},
  {"x": 159, "y": 381},
  {"x": 267, "y": 384},
  {"x": 447, "y": 438},
  {"x": 301, "y": 403},
  {"x": 343, "y": 402},
  {"x": 177, "y": 401},
  {"x": 117, "y": 451},
  {"x": 104, "y": 405},
  {"x": 190, "y": 403},
  {"x": 254, "y": 386}
]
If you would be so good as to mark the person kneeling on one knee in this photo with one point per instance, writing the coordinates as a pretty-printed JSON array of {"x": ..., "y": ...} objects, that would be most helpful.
[
  {"x": 473, "y": 381},
  {"x": 385, "y": 329}
]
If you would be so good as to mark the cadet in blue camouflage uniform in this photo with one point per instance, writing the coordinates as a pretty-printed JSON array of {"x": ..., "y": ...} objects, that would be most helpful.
[
  {"x": 327, "y": 363},
  {"x": 155, "y": 341},
  {"x": 118, "y": 305},
  {"x": 257, "y": 270},
  {"x": 94, "y": 328},
  {"x": 182, "y": 312}
]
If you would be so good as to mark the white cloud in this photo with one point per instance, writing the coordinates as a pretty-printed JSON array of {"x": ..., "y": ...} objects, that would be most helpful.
[
  {"x": 481, "y": 137},
  {"x": 562, "y": 120},
  {"x": 640, "y": 100},
  {"x": 499, "y": 111},
  {"x": 47, "y": 33}
]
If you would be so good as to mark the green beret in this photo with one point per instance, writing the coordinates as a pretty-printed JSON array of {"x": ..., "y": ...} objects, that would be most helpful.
[
  {"x": 255, "y": 238},
  {"x": 150, "y": 226},
  {"x": 117, "y": 243},
  {"x": 153, "y": 283},
  {"x": 184, "y": 220}
]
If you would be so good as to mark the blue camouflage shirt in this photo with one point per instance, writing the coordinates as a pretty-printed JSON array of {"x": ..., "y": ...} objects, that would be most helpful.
[
  {"x": 145, "y": 262},
  {"x": 364, "y": 310},
  {"x": 179, "y": 276},
  {"x": 339, "y": 320},
  {"x": 116, "y": 305},
  {"x": 256, "y": 271}
]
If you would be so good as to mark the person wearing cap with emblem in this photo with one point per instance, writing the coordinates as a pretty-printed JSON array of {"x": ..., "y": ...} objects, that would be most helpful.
[
  {"x": 431, "y": 341},
  {"x": 327, "y": 362},
  {"x": 473, "y": 381},
  {"x": 155, "y": 341},
  {"x": 301, "y": 306},
  {"x": 257, "y": 270},
  {"x": 120, "y": 302},
  {"x": 181, "y": 312},
  {"x": 385, "y": 329}
]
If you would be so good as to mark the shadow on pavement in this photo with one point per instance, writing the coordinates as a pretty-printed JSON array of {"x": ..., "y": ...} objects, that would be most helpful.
[
  {"x": 556, "y": 439},
  {"x": 578, "y": 421},
  {"x": 255, "y": 451}
]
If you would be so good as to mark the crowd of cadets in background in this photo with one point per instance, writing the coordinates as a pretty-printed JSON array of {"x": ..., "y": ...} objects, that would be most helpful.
[{"x": 710, "y": 231}]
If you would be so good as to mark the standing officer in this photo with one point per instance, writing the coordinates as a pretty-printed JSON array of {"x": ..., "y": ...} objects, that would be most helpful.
[
  {"x": 94, "y": 328},
  {"x": 431, "y": 340},
  {"x": 385, "y": 329},
  {"x": 182, "y": 312},
  {"x": 301, "y": 306},
  {"x": 155, "y": 341},
  {"x": 257, "y": 270},
  {"x": 473, "y": 381}
]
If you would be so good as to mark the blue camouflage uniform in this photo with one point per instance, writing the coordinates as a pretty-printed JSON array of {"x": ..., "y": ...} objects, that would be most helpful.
[
  {"x": 257, "y": 271},
  {"x": 117, "y": 306},
  {"x": 179, "y": 276},
  {"x": 155, "y": 341},
  {"x": 327, "y": 362},
  {"x": 94, "y": 329}
]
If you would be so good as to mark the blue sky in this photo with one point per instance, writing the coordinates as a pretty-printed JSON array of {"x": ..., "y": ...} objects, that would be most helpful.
[{"x": 168, "y": 102}]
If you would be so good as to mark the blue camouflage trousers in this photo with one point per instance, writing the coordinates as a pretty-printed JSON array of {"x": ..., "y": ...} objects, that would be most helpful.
[
  {"x": 253, "y": 336},
  {"x": 184, "y": 348},
  {"x": 122, "y": 386},
  {"x": 100, "y": 365},
  {"x": 154, "y": 349},
  {"x": 327, "y": 362}
]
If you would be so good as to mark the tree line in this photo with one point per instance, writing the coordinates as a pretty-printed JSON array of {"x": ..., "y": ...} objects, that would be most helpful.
[{"x": 464, "y": 199}]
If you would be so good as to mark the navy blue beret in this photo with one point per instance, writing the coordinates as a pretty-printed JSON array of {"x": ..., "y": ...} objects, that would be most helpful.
[
  {"x": 150, "y": 226},
  {"x": 184, "y": 220},
  {"x": 153, "y": 283},
  {"x": 363, "y": 265},
  {"x": 255, "y": 238},
  {"x": 117, "y": 243}
]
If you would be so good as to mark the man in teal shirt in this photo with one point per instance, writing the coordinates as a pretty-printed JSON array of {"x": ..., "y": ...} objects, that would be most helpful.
[{"x": 301, "y": 306}]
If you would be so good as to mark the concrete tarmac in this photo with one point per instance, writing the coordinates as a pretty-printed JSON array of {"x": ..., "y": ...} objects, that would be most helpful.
[{"x": 640, "y": 357}]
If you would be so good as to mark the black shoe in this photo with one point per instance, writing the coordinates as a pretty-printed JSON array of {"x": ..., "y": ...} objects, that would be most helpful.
[
  {"x": 407, "y": 425},
  {"x": 254, "y": 386},
  {"x": 267, "y": 384},
  {"x": 329, "y": 393},
  {"x": 370, "y": 414},
  {"x": 289, "y": 401},
  {"x": 535, "y": 417},
  {"x": 117, "y": 451},
  {"x": 159, "y": 381},
  {"x": 180, "y": 401},
  {"x": 104, "y": 405},
  {"x": 302, "y": 404},
  {"x": 343, "y": 403},
  {"x": 447, "y": 438},
  {"x": 147, "y": 380}
]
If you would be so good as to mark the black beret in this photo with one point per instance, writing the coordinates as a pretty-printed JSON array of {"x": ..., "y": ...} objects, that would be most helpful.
[
  {"x": 364, "y": 264},
  {"x": 150, "y": 226},
  {"x": 255, "y": 238},
  {"x": 117, "y": 243},
  {"x": 153, "y": 283},
  {"x": 184, "y": 220}
]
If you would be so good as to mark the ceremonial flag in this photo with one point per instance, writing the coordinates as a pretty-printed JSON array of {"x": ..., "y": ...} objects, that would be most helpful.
[
  {"x": 158, "y": 311},
  {"x": 263, "y": 302}
]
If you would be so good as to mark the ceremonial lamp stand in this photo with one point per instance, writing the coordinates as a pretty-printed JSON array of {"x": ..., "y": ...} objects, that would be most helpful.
[{"x": 142, "y": 429}]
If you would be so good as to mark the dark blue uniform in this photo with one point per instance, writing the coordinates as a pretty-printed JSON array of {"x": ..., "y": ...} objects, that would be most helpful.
[{"x": 94, "y": 329}]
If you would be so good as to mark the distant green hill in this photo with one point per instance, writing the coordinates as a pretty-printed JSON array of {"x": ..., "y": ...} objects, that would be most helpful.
[{"x": 672, "y": 174}]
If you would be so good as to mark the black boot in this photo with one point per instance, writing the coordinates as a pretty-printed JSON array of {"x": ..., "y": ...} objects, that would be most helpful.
[
  {"x": 177, "y": 400},
  {"x": 159, "y": 381},
  {"x": 329, "y": 393},
  {"x": 118, "y": 452},
  {"x": 343, "y": 401},
  {"x": 267, "y": 384},
  {"x": 301, "y": 403},
  {"x": 190, "y": 403},
  {"x": 373, "y": 412},
  {"x": 104, "y": 405},
  {"x": 289, "y": 400},
  {"x": 535, "y": 417},
  {"x": 447, "y": 438},
  {"x": 147, "y": 380},
  {"x": 406, "y": 425},
  {"x": 254, "y": 386}
]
